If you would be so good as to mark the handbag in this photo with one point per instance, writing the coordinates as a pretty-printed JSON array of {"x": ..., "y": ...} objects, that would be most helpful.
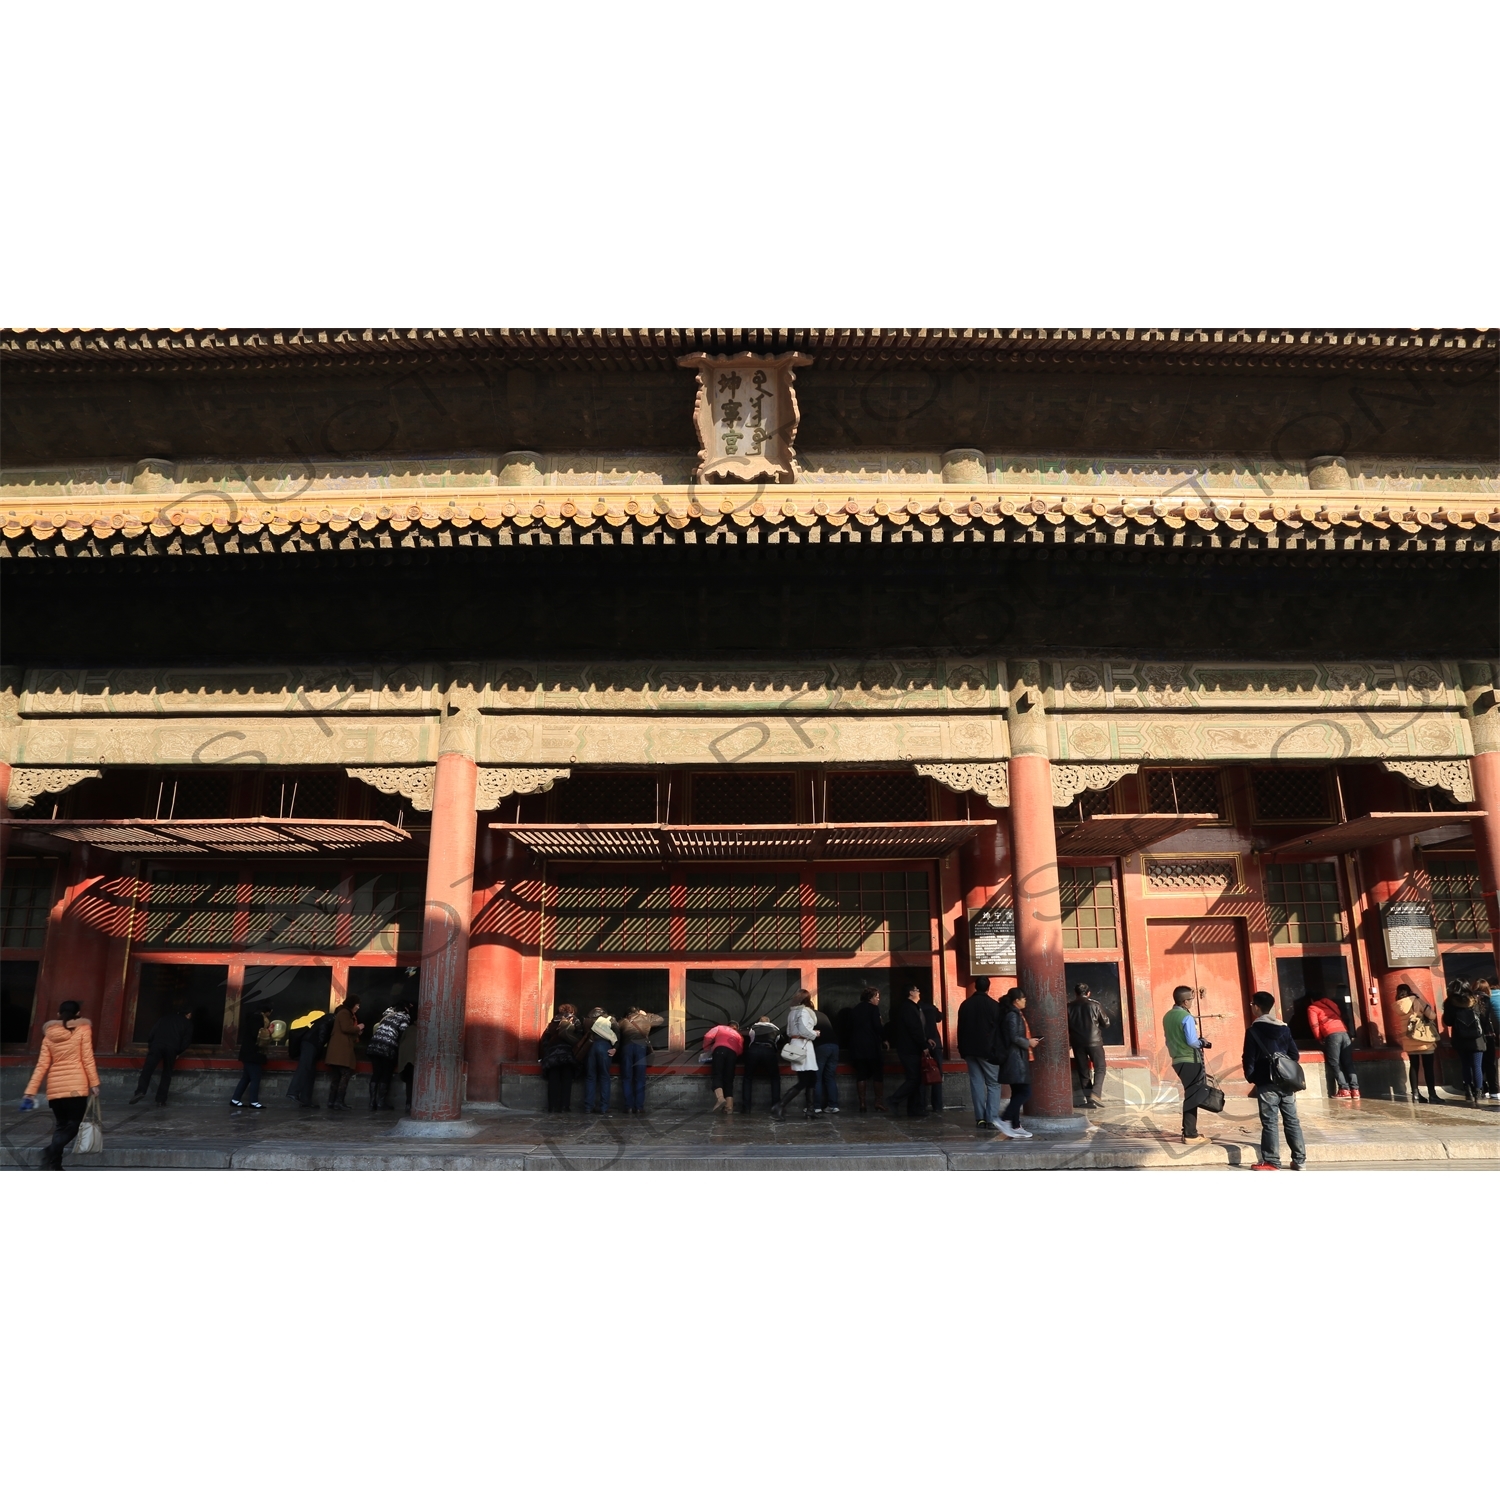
[
  {"x": 932, "y": 1071},
  {"x": 794, "y": 1052},
  {"x": 1212, "y": 1098},
  {"x": 1286, "y": 1073},
  {"x": 90, "y": 1138}
]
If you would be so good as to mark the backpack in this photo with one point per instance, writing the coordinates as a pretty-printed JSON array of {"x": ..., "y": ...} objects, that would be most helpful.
[{"x": 1286, "y": 1072}]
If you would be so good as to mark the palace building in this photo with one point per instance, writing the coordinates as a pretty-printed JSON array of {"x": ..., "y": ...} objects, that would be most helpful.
[{"x": 684, "y": 667}]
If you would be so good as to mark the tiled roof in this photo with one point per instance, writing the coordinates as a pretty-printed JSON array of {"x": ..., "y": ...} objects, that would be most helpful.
[
  {"x": 794, "y": 512},
  {"x": 62, "y": 348}
]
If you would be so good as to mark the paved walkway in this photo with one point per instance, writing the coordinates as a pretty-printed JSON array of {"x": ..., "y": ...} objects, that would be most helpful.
[{"x": 490, "y": 1138}]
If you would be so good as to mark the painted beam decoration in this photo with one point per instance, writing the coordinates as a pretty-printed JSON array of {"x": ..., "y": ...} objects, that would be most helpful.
[{"x": 746, "y": 415}]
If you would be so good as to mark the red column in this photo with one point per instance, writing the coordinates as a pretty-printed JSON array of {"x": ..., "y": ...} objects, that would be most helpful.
[
  {"x": 438, "y": 1085},
  {"x": 1486, "y": 772},
  {"x": 1387, "y": 868},
  {"x": 1039, "y": 950},
  {"x": 77, "y": 944},
  {"x": 4, "y": 813},
  {"x": 492, "y": 1023}
]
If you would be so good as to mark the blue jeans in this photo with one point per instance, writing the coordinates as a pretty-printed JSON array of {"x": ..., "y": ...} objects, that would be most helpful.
[
  {"x": 633, "y": 1075},
  {"x": 1338, "y": 1059},
  {"x": 984, "y": 1089},
  {"x": 598, "y": 1077},
  {"x": 827, "y": 1092},
  {"x": 248, "y": 1089},
  {"x": 1473, "y": 1069},
  {"x": 1272, "y": 1102}
]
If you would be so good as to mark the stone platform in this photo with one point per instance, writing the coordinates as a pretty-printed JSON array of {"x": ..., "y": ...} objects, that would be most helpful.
[{"x": 281, "y": 1137}]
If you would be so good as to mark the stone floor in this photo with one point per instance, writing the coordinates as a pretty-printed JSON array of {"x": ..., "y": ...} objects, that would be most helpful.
[{"x": 491, "y": 1138}]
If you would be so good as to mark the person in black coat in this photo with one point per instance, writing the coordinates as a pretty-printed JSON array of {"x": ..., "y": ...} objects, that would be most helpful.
[
  {"x": 1086, "y": 1022},
  {"x": 979, "y": 1045},
  {"x": 1264, "y": 1038},
  {"x": 932, "y": 1022},
  {"x": 169, "y": 1039},
  {"x": 866, "y": 1042},
  {"x": 907, "y": 1033},
  {"x": 1015, "y": 1063},
  {"x": 252, "y": 1059}
]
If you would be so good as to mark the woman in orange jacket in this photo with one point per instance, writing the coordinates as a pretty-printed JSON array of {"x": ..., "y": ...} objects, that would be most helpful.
[{"x": 67, "y": 1067}]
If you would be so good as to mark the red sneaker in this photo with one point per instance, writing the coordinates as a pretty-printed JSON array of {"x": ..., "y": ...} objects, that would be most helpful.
[
  {"x": 1264, "y": 1166},
  {"x": 1354, "y": 1093},
  {"x": 1342, "y": 1094}
]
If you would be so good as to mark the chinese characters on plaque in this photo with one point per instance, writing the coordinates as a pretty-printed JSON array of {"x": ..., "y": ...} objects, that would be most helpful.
[
  {"x": 746, "y": 415},
  {"x": 992, "y": 940}
]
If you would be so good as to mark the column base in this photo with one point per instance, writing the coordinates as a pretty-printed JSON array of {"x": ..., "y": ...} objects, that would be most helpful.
[
  {"x": 1057, "y": 1125},
  {"x": 439, "y": 1129}
]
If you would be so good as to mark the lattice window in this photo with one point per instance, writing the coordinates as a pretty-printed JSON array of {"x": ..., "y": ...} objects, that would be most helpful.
[
  {"x": 1088, "y": 906},
  {"x": 1190, "y": 790},
  {"x": 606, "y": 799},
  {"x": 744, "y": 797},
  {"x": 1192, "y": 874},
  {"x": 1431, "y": 799},
  {"x": 876, "y": 797},
  {"x": 198, "y": 796},
  {"x": 1091, "y": 802},
  {"x": 873, "y": 913},
  {"x": 306, "y": 794},
  {"x": 25, "y": 901},
  {"x": 1302, "y": 903},
  {"x": 190, "y": 909},
  {"x": 1290, "y": 794},
  {"x": 388, "y": 910},
  {"x": 745, "y": 914},
  {"x": 293, "y": 910},
  {"x": 1457, "y": 902},
  {"x": 610, "y": 915}
]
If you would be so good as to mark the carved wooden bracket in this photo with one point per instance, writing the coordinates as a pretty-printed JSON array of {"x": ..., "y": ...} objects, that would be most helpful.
[
  {"x": 412, "y": 782},
  {"x": 991, "y": 779},
  {"x": 496, "y": 783},
  {"x": 1069, "y": 780},
  {"x": 27, "y": 783},
  {"x": 1454, "y": 776}
]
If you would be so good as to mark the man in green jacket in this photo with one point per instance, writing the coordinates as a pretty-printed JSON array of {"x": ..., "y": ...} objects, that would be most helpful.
[{"x": 1186, "y": 1049}]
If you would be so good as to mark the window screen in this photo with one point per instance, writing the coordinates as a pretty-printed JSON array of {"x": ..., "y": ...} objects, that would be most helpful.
[
  {"x": 619, "y": 798},
  {"x": 1190, "y": 790},
  {"x": 1290, "y": 794},
  {"x": 744, "y": 913},
  {"x": 164, "y": 988},
  {"x": 1087, "y": 896},
  {"x": 293, "y": 910},
  {"x": 290, "y": 990},
  {"x": 24, "y": 904},
  {"x": 876, "y": 797},
  {"x": 610, "y": 914},
  {"x": 1457, "y": 904},
  {"x": 873, "y": 912},
  {"x": 743, "y": 797},
  {"x": 17, "y": 1000},
  {"x": 190, "y": 909},
  {"x": 737, "y": 997},
  {"x": 615, "y": 991},
  {"x": 1104, "y": 980},
  {"x": 1302, "y": 903},
  {"x": 387, "y": 911}
]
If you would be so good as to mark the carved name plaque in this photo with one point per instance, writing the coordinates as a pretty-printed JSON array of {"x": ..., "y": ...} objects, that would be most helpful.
[{"x": 746, "y": 415}]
